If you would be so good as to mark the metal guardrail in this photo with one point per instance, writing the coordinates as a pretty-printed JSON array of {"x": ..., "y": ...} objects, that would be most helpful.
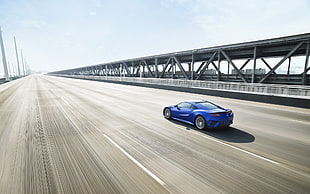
[{"x": 268, "y": 89}]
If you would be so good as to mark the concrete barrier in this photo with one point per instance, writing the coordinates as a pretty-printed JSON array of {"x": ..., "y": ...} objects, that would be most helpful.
[{"x": 297, "y": 96}]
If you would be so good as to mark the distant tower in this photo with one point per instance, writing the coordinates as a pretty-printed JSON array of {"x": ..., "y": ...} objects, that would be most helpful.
[
  {"x": 7, "y": 78},
  {"x": 23, "y": 64},
  {"x": 17, "y": 57},
  {"x": 9, "y": 69},
  {"x": 27, "y": 68}
]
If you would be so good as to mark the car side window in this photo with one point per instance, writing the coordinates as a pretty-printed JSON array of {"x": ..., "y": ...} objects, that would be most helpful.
[
  {"x": 188, "y": 106},
  {"x": 185, "y": 105},
  {"x": 193, "y": 107},
  {"x": 181, "y": 105}
]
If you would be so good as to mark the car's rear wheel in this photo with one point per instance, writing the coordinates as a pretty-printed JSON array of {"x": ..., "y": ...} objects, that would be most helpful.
[
  {"x": 167, "y": 113},
  {"x": 200, "y": 122}
]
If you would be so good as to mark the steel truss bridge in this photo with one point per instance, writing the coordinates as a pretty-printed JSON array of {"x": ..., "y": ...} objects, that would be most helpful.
[{"x": 207, "y": 63}]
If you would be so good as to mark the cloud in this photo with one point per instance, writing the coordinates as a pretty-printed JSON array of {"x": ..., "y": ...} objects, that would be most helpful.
[
  {"x": 95, "y": 32},
  {"x": 35, "y": 24},
  {"x": 244, "y": 20},
  {"x": 92, "y": 13}
]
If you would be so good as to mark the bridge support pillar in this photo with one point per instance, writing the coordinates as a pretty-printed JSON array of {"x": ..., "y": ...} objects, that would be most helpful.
[
  {"x": 304, "y": 77},
  {"x": 5, "y": 67}
]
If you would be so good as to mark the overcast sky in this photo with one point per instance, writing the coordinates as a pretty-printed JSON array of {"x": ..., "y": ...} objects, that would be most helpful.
[{"x": 61, "y": 34}]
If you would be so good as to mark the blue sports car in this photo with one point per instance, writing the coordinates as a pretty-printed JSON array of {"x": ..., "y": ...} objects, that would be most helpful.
[{"x": 202, "y": 114}]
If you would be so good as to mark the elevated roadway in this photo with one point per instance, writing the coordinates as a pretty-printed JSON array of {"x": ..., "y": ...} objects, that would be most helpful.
[{"x": 61, "y": 135}]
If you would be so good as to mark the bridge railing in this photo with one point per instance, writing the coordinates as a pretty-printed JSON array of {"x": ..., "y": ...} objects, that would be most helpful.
[{"x": 268, "y": 89}]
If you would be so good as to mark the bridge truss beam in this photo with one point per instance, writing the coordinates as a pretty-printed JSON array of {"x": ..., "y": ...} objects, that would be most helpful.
[{"x": 207, "y": 63}]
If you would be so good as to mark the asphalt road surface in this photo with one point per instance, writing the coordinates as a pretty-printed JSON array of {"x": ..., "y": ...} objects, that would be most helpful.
[{"x": 62, "y": 135}]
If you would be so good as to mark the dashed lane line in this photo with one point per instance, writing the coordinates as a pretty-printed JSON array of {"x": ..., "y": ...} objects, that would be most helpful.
[
  {"x": 234, "y": 147},
  {"x": 250, "y": 153},
  {"x": 135, "y": 161}
]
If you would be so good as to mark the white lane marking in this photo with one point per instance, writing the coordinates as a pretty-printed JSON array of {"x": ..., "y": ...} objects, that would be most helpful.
[
  {"x": 236, "y": 148},
  {"x": 295, "y": 171},
  {"x": 135, "y": 161},
  {"x": 65, "y": 101},
  {"x": 303, "y": 122}
]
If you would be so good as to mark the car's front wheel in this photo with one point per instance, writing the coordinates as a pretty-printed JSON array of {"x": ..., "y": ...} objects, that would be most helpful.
[
  {"x": 167, "y": 113},
  {"x": 200, "y": 122}
]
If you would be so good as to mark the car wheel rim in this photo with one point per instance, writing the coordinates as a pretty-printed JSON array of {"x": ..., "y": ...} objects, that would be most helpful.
[
  {"x": 200, "y": 123},
  {"x": 167, "y": 113}
]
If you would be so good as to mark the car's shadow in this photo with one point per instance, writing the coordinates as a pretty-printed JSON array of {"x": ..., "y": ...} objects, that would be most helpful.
[{"x": 230, "y": 134}]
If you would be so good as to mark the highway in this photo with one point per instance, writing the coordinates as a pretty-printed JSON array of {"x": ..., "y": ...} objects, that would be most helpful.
[{"x": 62, "y": 135}]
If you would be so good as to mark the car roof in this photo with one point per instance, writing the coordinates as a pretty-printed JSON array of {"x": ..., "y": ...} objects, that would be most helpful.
[
  {"x": 195, "y": 103},
  {"x": 199, "y": 106}
]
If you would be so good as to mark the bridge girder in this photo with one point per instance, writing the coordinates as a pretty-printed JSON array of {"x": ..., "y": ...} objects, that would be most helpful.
[{"x": 193, "y": 64}]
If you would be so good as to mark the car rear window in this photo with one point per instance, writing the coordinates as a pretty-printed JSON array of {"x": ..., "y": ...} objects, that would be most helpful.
[{"x": 207, "y": 105}]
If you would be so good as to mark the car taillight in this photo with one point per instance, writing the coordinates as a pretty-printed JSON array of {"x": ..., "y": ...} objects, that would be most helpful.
[
  {"x": 222, "y": 113},
  {"x": 215, "y": 114}
]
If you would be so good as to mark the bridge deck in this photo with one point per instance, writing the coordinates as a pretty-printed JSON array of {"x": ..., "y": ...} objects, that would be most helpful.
[{"x": 60, "y": 135}]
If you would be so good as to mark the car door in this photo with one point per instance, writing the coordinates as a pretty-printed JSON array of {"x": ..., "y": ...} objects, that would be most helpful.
[
  {"x": 176, "y": 110},
  {"x": 182, "y": 110},
  {"x": 185, "y": 111}
]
